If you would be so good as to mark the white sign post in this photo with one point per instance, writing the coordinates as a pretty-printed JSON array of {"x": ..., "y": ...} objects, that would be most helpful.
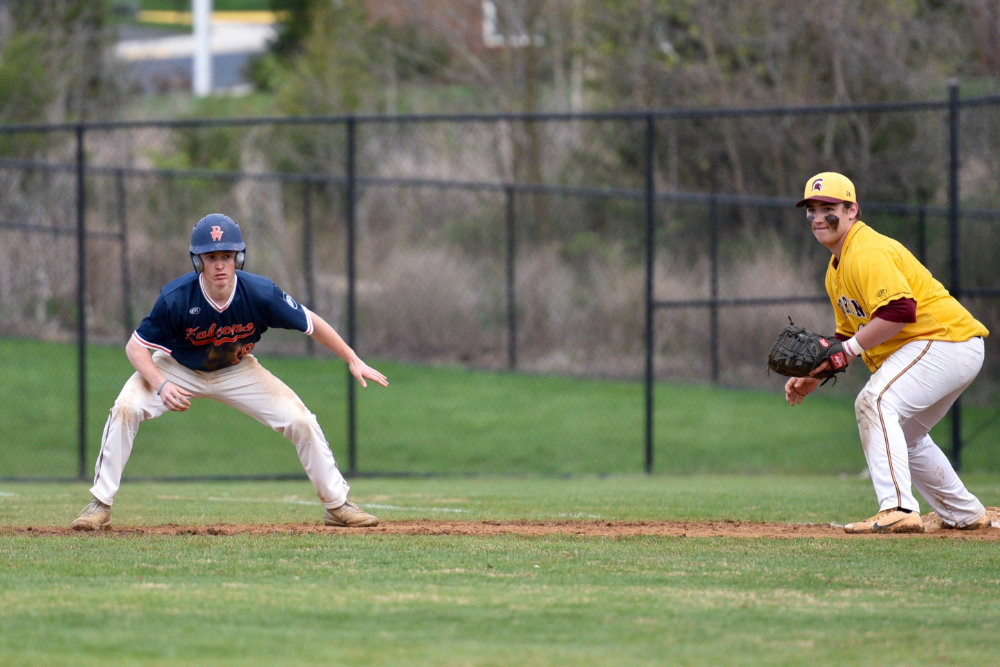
[{"x": 201, "y": 12}]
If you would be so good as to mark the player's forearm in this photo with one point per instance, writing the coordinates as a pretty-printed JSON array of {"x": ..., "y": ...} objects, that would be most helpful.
[
  {"x": 142, "y": 361},
  {"x": 326, "y": 336},
  {"x": 877, "y": 331}
]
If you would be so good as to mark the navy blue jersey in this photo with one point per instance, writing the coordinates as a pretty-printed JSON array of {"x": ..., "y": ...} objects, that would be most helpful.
[{"x": 205, "y": 335}]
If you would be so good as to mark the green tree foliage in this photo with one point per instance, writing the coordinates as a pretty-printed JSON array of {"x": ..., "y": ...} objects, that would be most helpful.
[
  {"x": 332, "y": 57},
  {"x": 24, "y": 94},
  {"x": 294, "y": 26},
  {"x": 266, "y": 71},
  {"x": 55, "y": 62},
  {"x": 334, "y": 71}
]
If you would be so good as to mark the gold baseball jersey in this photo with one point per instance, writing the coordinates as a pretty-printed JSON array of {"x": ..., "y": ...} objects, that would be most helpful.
[{"x": 875, "y": 270}]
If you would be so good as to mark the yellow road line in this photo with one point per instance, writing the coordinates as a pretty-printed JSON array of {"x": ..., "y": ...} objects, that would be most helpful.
[{"x": 184, "y": 18}]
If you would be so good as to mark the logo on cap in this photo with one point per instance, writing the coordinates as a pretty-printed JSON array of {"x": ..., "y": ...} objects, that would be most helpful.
[
  {"x": 216, "y": 233},
  {"x": 818, "y": 185}
]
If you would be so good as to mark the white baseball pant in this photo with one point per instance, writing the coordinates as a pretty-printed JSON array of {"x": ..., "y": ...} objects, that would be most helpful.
[
  {"x": 896, "y": 410},
  {"x": 248, "y": 387}
]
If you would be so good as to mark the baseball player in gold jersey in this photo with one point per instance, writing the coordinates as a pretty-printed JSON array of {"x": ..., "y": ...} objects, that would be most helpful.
[{"x": 922, "y": 347}]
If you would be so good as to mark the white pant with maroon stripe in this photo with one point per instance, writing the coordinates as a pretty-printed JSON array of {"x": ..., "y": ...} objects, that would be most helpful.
[
  {"x": 896, "y": 410},
  {"x": 248, "y": 387}
]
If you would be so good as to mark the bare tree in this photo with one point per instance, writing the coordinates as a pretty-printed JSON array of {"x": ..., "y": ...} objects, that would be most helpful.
[
  {"x": 986, "y": 29},
  {"x": 558, "y": 55}
]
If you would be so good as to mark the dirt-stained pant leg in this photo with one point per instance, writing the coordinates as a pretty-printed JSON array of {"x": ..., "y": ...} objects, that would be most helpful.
[
  {"x": 885, "y": 449},
  {"x": 897, "y": 408},
  {"x": 253, "y": 390},
  {"x": 932, "y": 472},
  {"x": 137, "y": 402}
]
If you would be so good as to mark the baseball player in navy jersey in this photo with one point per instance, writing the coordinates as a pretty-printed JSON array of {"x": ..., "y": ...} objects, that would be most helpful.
[
  {"x": 197, "y": 342},
  {"x": 922, "y": 347}
]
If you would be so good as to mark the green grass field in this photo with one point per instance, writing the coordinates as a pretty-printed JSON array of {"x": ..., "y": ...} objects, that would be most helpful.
[
  {"x": 443, "y": 420},
  {"x": 360, "y": 598},
  {"x": 487, "y": 448}
]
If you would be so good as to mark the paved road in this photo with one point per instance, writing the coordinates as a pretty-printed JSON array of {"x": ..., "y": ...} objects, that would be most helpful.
[
  {"x": 164, "y": 61},
  {"x": 173, "y": 74}
]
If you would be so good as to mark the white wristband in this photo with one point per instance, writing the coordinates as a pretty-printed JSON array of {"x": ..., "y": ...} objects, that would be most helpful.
[{"x": 853, "y": 347}]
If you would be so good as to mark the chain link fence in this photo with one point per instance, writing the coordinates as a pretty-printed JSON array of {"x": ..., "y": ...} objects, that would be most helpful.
[{"x": 564, "y": 244}]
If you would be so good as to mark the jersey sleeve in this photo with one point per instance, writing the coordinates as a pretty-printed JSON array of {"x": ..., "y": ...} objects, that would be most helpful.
[
  {"x": 901, "y": 310},
  {"x": 155, "y": 332},
  {"x": 287, "y": 313},
  {"x": 879, "y": 278}
]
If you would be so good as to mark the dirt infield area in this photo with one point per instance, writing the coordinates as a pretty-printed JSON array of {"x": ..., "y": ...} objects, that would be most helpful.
[{"x": 728, "y": 528}]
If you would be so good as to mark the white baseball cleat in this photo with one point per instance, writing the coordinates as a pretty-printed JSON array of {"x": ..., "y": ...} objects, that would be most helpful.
[
  {"x": 933, "y": 523},
  {"x": 94, "y": 516},
  {"x": 888, "y": 521},
  {"x": 349, "y": 515},
  {"x": 981, "y": 523}
]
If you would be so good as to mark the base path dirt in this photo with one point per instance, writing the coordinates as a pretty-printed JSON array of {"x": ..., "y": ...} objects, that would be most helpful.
[{"x": 727, "y": 528}]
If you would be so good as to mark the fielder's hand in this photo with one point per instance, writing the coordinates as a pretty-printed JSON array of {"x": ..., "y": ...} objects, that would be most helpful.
[
  {"x": 797, "y": 389},
  {"x": 361, "y": 371},
  {"x": 175, "y": 398}
]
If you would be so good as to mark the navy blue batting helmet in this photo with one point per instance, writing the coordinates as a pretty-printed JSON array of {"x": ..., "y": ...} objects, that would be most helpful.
[{"x": 213, "y": 233}]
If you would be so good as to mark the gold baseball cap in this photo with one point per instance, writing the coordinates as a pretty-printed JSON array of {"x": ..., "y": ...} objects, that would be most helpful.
[{"x": 829, "y": 187}]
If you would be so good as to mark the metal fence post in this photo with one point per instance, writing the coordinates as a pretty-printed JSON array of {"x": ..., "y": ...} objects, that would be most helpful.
[
  {"x": 307, "y": 254},
  {"x": 953, "y": 221},
  {"x": 922, "y": 234},
  {"x": 650, "y": 264},
  {"x": 120, "y": 197},
  {"x": 351, "y": 212},
  {"x": 511, "y": 228},
  {"x": 81, "y": 298},
  {"x": 713, "y": 259}
]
